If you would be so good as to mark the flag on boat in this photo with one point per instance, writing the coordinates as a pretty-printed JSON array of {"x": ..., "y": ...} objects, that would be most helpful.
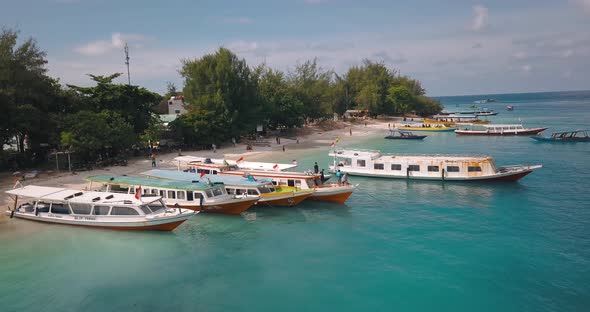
[
  {"x": 275, "y": 167},
  {"x": 138, "y": 193},
  {"x": 239, "y": 159},
  {"x": 294, "y": 162},
  {"x": 332, "y": 144},
  {"x": 202, "y": 174},
  {"x": 225, "y": 163},
  {"x": 337, "y": 139}
]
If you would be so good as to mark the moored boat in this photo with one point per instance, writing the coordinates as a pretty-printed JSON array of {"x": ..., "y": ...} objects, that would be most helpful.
[
  {"x": 397, "y": 134},
  {"x": 450, "y": 120},
  {"x": 331, "y": 192},
  {"x": 509, "y": 107},
  {"x": 424, "y": 128},
  {"x": 567, "y": 136},
  {"x": 496, "y": 129},
  {"x": 425, "y": 167},
  {"x": 263, "y": 188},
  {"x": 95, "y": 209},
  {"x": 240, "y": 163},
  {"x": 195, "y": 195}
]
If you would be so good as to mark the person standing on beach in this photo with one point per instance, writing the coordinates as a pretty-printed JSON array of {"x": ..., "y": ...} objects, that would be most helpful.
[
  {"x": 214, "y": 148},
  {"x": 283, "y": 148},
  {"x": 350, "y": 131},
  {"x": 233, "y": 140},
  {"x": 154, "y": 163},
  {"x": 316, "y": 168}
]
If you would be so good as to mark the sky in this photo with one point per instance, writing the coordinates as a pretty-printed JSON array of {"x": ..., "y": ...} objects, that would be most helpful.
[{"x": 453, "y": 47}]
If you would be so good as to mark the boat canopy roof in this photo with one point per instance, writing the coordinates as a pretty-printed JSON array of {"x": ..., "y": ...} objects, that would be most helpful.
[
  {"x": 215, "y": 178},
  {"x": 463, "y": 116},
  {"x": 77, "y": 196},
  {"x": 415, "y": 157},
  {"x": 570, "y": 132},
  {"x": 252, "y": 165},
  {"x": 194, "y": 184}
]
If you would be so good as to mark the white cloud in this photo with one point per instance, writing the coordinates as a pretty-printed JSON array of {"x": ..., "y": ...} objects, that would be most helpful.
[
  {"x": 101, "y": 47},
  {"x": 526, "y": 68},
  {"x": 480, "y": 18},
  {"x": 585, "y": 4}
]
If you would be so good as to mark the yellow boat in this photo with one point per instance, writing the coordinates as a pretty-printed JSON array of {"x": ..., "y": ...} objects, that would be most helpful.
[{"x": 437, "y": 128}]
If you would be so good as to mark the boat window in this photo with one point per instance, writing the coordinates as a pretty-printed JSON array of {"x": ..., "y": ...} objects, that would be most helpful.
[
  {"x": 217, "y": 191},
  {"x": 231, "y": 191},
  {"x": 379, "y": 166},
  {"x": 396, "y": 167},
  {"x": 360, "y": 163},
  {"x": 298, "y": 183},
  {"x": 154, "y": 191},
  {"x": 101, "y": 210},
  {"x": 180, "y": 194},
  {"x": 274, "y": 182},
  {"x": 82, "y": 209},
  {"x": 115, "y": 188},
  {"x": 433, "y": 168},
  {"x": 146, "y": 210},
  {"x": 42, "y": 206},
  {"x": 413, "y": 168},
  {"x": 209, "y": 193},
  {"x": 26, "y": 207},
  {"x": 157, "y": 206},
  {"x": 124, "y": 211},
  {"x": 452, "y": 168},
  {"x": 265, "y": 189},
  {"x": 253, "y": 192},
  {"x": 171, "y": 194},
  {"x": 162, "y": 193},
  {"x": 291, "y": 182},
  {"x": 198, "y": 196},
  {"x": 474, "y": 169},
  {"x": 189, "y": 196},
  {"x": 146, "y": 191},
  {"x": 60, "y": 208}
]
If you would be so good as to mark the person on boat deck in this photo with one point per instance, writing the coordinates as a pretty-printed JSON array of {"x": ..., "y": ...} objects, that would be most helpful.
[
  {"x": 345, "y": 178},
  {"x": 323, "y": 177},
  {"x": 316, "y": 168},
  {"x": 339, "y": 176}
]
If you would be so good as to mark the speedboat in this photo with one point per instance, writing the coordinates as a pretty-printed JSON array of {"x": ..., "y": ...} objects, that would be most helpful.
[
  {"x": 396, "y": 134},
  {"x": 568, "y": 136},
  {"x": 113, "y": 211}
]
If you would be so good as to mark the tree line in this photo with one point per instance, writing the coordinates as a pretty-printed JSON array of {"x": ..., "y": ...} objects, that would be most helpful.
[{"x": 225, "y": 98}]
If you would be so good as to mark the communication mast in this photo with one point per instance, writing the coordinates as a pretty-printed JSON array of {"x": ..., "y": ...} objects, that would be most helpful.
[{"x": 127, "y": 63}]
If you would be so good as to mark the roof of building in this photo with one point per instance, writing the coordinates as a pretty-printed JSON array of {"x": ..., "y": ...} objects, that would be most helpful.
[{"x": 167, "y": 118}]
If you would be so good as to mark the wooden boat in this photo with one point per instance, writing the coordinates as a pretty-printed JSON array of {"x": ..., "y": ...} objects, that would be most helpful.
[
  {"x": 568, "y": 136},
  {"x": 195, "y": 195},
  {"x": 331, "y": 192},
  {"x": 425, "y": 167},
  {"x": 451, "y": 120},
  {"x": 95, "y": 209},
  {"x": 515, "y": 129},
  {"x": 396, "y": 134},
  {"x": 424, "y": 128},
  {"x": 262, "y": 188},
  {"x": 241, "y": 164}
]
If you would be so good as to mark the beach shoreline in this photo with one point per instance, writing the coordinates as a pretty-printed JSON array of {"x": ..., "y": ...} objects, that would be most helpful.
[{"x": 310, "y": 138}]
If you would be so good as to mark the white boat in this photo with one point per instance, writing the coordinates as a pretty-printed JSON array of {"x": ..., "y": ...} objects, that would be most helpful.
[
  {"x": 243, "y": 165},
  {"x": 497, "y": 129},
  {"x": 94, "y": 209},
  {"x": 426, "y": 167}
]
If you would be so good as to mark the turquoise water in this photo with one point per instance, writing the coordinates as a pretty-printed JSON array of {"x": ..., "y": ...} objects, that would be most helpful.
[{"x": 395, "y": 245}]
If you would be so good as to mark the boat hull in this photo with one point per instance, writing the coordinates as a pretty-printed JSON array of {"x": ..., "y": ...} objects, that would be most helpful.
[
  {"x": 333, "y": 193},
  {"x": 512, "y": 175},
  {"x": 285, "y": 200},
  {"x": 428, "y": 129},
  {"x": 167, "y": 224},
  {"x": 551, "y": 140},
  {"x": 233, "y": 208},
  {"x": 501, "y": 133},
  {"x": 414, "y": 137}
]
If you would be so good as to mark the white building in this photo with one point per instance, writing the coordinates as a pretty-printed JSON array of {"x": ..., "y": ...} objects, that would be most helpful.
[{"x": 176, "y": 105}]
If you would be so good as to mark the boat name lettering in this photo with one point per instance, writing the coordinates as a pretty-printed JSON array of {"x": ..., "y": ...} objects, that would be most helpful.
[{"x": 84, "y": 218}]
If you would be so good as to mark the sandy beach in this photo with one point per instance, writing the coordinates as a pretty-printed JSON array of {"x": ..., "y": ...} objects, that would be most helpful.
[{"x": 310, "y": 138}]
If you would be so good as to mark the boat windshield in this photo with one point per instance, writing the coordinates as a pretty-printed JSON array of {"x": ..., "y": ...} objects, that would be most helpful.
[
  {"x": 156, "y": 206},
  {"x": 218, "y": 191},
  {"x": 267, "y": 188}
]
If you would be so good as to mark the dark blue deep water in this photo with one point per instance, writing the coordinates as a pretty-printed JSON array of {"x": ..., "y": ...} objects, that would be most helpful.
[{"x": 395, "y": 245}]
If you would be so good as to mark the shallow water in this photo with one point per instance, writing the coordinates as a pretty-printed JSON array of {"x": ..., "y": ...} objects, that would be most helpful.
[{"x": 395, "y": 244}]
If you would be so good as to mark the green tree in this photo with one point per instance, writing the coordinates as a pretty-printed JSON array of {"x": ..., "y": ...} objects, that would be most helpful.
[
  {"x": 133, "y": 103},
  {"x": 282, "y": 107},
  {"x": 224, "y": 84},
  {"x": 401, "y": 98}
]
